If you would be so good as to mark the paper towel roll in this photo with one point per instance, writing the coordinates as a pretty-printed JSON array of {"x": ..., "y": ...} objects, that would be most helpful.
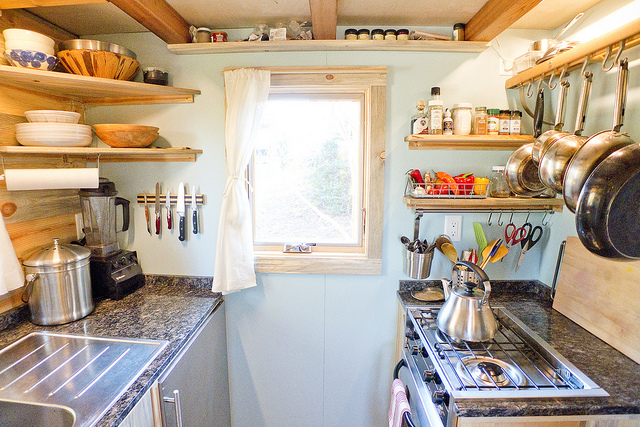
[{"x": 50, "y": 179}]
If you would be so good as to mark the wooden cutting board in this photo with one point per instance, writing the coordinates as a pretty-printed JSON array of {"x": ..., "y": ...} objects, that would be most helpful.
[{"x": 602, "y": 296}]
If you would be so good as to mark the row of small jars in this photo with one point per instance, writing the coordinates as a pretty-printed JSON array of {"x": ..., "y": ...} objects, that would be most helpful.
[
  {"x": 377, "y": 34},
  {"x": 485, "y": 121}
]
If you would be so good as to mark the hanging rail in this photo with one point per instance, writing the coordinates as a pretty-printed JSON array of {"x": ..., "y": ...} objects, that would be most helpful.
[{"x": 595, "y": 49}]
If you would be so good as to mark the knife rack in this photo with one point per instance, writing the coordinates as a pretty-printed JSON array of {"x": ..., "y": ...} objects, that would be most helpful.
[{"x": 173, "y": 198}]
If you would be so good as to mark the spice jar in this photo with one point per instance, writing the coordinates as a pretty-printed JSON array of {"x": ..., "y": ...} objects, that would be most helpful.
[
  {"x": 390, "y": 34},
  {"x": 493, "y": 121},
  {"x": 351, "y": 34},
  {"x": 514, "y": 122},
  {"x": 218, "y": 36},
  {"x": 498, "y": 183},
  {"x": 458, "y": 33},
  {"x": 480, "y": 121},
  {"x": 203, "y": 35},
  {"x": 504, "y": 122},
  {"x": 462, "y": 119},
  {"x": 403, "y": 34},
  {"x": 377, "y": 34},
  {"x": 363, "y": 34}
]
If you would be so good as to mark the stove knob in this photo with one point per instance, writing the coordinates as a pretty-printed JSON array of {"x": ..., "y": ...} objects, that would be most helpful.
[
  {"x": 415, "y": 350},
  {"x": 439, "y": 397},
  {"x": 412, "y": 335},
  {"x": 429, "y": 375}
]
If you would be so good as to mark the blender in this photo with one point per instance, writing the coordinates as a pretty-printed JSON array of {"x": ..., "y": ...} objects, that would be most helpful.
[{"x": 114, "y": 272}]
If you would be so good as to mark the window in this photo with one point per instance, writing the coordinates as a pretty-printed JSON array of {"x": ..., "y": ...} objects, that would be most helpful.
[{"x": 317, "y": 171}]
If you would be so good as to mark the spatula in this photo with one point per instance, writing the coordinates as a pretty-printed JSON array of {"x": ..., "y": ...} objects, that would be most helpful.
[
  {"x": 481, "y": 239},
  {"x": 490, "y": 251},
  {"x": 500, "y": 253}
]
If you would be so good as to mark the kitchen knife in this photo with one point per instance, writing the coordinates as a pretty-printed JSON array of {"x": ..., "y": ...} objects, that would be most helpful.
[
  {"x": 180, "y": 210},
  {"x": 194, "y": 209},
  {"x": 157, "y": 208},
  {"x": 167, "y": 204},
  {"x": 146, "y": 213}
]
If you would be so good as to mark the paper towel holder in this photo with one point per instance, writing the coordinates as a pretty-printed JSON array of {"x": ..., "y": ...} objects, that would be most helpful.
[{"x": 66, "y": 165}]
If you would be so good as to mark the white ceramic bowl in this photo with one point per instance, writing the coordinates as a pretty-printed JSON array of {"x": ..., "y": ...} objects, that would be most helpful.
[
  {"x": 29, "y": 45},
  {"x": 53, "y": 127},
  {"x": 62, "y": 140},
  {"x": 26, "y": 35},
  {"x": 31, "y": 59},
  {"x": 52, "y": 116}
]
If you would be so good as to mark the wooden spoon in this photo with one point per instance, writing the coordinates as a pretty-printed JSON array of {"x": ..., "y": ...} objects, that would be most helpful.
[{"x": 450, "y": 252}]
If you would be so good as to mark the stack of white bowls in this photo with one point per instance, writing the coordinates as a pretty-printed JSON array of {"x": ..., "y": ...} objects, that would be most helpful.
[
  {"x": 28, "y": 49},
  {"x": 53, "y": 128}
]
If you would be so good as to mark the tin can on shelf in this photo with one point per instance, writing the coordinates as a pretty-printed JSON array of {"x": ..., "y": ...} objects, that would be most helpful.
[
  {"x": 218, "y": 36},
  {"x": 203, "y": 35}
]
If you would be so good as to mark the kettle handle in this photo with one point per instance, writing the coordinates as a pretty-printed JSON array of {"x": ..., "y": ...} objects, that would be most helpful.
[{"x": 482, "y": 275}]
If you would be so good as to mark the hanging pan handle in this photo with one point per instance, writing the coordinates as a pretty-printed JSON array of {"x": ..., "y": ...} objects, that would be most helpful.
[
  {"x": 621, "y": 94},
  {"x": 583, "y": 102}
]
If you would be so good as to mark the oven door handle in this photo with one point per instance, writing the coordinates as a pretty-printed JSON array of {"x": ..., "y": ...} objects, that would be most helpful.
[{"x": 396, "y": 371}]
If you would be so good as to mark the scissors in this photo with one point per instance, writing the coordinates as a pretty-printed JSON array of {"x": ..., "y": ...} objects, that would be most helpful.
[
  {"x": 534, "y": 234},
  {"x": 514, "y": 236}
]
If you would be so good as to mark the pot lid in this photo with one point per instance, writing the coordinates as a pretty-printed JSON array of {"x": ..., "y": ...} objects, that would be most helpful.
[
  {"x": 57, "y": 255},
  {"x": 468, "y": 290}
]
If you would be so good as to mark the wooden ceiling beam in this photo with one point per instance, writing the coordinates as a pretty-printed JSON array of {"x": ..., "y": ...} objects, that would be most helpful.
[
  {"x": 324, "y": 18},
  {"x": 158, "y": 17},
  {"x": 495, "y": 17},
  {"x": 22, "y": 4},
  {"x": 18, "y": 18}
]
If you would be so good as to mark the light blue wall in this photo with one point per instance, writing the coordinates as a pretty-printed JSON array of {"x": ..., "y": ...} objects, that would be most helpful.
[{"x": 318, "y": 350}]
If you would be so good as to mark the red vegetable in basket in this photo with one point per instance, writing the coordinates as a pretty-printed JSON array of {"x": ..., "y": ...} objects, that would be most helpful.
[
  {"x": 416, "y": 176},
  {"x": 449, "y": 180},
  {"x": 465, "y": 183},
  {"x": 440, "y": 188}
]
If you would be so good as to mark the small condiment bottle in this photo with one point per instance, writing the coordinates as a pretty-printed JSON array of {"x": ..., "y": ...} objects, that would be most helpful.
[
  {"x": 218, "y": 36},
  {"x": 363, "y": 34},
  {"x": 203, "y": 35},
  {"x": 514, "y": 122},
  {"x": 377, "y": 34},
  {"x": 498, "y": 183},
  {"x": 419, "y": 120},
  {"x": 435, "y": 112},
  {"x": 505, "y": 122},
  {"x": 390, "y": 34},
  {"x": 351, "y": 34},
  {"x": 458, "y": 33},
  {"x": 447, "y": 123},
  {"x": 493, "y": 121},
  {"x": 480, "y": 121},
  {"x": 403, "y": 34}
]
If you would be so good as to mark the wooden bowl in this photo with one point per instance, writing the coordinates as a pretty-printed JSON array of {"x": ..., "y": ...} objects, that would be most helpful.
[
  {"x": 126, "y": 136},
  {"x": 98, "y": 63}
]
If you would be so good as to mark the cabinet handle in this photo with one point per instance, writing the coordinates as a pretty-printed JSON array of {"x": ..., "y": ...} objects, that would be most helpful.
[{"x": 176, "y": 402}]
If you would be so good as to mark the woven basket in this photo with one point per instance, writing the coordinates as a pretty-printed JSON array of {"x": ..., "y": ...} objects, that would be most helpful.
[{"x": 98, "y": 63}]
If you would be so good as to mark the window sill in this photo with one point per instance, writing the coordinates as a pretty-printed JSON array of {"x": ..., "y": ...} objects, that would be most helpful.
[{"x": 317, "y": 263}]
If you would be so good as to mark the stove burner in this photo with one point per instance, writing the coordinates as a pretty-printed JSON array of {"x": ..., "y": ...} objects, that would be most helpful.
[
  {"x": 458, "y": 344},
  {"x": 486, "y": 371}
]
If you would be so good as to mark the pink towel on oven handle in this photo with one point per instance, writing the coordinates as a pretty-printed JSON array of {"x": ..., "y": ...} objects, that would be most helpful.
[{"x": 399, "y": 404}]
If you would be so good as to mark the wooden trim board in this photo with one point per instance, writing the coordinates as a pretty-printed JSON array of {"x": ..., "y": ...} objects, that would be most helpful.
[{"x": 601, "y": 295}]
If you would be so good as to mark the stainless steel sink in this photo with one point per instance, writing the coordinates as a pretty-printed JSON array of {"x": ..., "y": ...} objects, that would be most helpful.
[
  {"x": 35, "y": 415},
  {"x": 72, "y": 379}
]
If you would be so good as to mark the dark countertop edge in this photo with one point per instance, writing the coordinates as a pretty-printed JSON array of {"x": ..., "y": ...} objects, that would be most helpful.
[
  {"x": 519, "y": 297},
  {"x": 198, "y": 287}
]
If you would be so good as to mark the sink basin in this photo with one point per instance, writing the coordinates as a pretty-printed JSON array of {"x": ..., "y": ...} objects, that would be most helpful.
[
  {"x": 71, "y": 379},
  {"x": 14, "y": 414}
]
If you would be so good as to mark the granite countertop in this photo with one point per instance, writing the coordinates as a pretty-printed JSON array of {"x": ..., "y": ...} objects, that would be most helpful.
[
  {"x": 531, "y": 302},
  {"x": 166, "y": 308}
]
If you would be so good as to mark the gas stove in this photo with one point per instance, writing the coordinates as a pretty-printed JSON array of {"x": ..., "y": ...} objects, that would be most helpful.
[{"x": 517, "y": 363}]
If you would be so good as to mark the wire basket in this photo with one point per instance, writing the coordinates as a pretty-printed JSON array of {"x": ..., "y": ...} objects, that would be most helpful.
[{"x": 442, "y": 191}]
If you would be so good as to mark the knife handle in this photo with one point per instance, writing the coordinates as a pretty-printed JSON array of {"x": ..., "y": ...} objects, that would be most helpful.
[
  {"x": 181, "y": 226},
  {"x": 169, "y": 221},
  {"x": 146, "y": 218},
  {"x": 195, "y": 221},
  {"x": 157, "y": 222}
]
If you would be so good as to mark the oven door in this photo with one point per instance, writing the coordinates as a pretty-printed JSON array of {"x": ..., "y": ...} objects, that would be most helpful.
[{"x": 423, "y": 410}]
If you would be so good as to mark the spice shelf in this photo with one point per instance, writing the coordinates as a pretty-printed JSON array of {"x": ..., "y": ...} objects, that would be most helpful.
[
  {"x": 467, "y": 142},
  {"x": 329, "y": 45},
  {"x": 484, "y": 205}
]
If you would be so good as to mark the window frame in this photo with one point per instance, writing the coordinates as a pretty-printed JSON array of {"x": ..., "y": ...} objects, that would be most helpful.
[{"x": 370, "y": 81}]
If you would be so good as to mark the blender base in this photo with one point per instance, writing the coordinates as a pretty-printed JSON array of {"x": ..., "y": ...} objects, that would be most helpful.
[{"x": 115, "y": 275}]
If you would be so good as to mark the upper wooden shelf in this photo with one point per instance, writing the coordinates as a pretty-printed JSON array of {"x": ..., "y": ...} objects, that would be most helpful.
[
  {"x": 94, "y": 90},
  {"x": 104, "y": 154},
  {"x": 329, "y": 45},
  {"x": 488, "y": 204},
  {"x": 467, "y": 142}
]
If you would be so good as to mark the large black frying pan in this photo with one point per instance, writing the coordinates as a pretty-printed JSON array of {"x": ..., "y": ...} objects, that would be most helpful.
[{"x": 608, "y": 212}]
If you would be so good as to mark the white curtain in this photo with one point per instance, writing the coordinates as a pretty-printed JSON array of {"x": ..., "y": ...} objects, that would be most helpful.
[{"x": 246, "y": 90}]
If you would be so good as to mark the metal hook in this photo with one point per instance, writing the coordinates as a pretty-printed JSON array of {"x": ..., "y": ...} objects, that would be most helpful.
[
  {"x": 511, "y": 217},
  {"x": 584, "y": 66},
  {"x": 562, "y": 74},
  {"x": 527, "y": 218},
  {"x": 546, "y": 213},
  {"x": 529, "y": 87},
  {"x": 608, "y": 55},
  {"x": 499, "y": 218},
  {"x": 623, "y": 43},
  {"x": 489, "y": 220},
  {"x": 540, "y": 83},
  {"x": 553, "y": 72}
]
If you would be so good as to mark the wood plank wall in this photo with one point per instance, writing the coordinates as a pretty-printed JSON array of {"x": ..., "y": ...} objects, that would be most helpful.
[{"x": 33, "y": 218}]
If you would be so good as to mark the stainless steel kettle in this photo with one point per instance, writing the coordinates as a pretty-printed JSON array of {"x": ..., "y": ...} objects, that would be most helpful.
[{"x": 466, "y": 314}]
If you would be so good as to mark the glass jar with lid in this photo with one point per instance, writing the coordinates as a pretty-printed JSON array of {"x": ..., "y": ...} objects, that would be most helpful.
[
  {"x": 462, "y": 119},
  {"x": 351, "y": 34},
  {"x": 363, "y": 34},
  {"x": 480, "y": 121},
  {"x": 498, "y": 186},
  {"x": 390, "y": 34},
  {"x": 377, "y": 34},
  {"x": 504, "y": 122}
]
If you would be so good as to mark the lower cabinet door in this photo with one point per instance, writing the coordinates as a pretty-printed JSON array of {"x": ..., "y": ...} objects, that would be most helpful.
[{"x": 194, "y": 390}]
